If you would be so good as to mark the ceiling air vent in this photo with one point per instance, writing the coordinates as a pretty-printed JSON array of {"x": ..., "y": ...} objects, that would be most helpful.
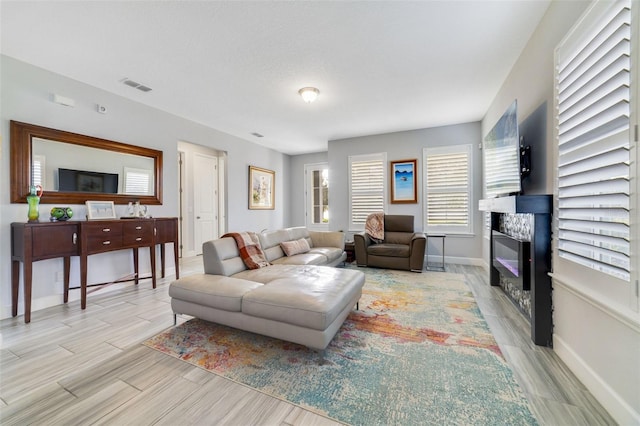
[{"x": 136, "y": 85}]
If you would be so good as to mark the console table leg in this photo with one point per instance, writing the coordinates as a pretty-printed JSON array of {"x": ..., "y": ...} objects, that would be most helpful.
[
  {"x": 175, "y": 258},
  {"x": 162, "y": 257},
  {"x": 83, "y": 282},
  {"x": 28, "y": 275},
  {"x": 15, "y": 282},
  {"x": 135, "y": 265},
  {"x": 152, "y": 255},
  {"x": 67, "y": 268}
]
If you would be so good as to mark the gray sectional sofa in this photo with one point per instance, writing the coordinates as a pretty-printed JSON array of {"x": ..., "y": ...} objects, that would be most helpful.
[{"x": 298, "y": 298}]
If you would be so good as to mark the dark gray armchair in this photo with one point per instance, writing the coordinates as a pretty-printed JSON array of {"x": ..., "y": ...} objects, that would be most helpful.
[{"x": 402, "y": 248}]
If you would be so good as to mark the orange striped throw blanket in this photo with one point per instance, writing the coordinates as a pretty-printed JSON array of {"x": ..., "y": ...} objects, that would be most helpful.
[
  {"x": 374, "y": 227},
  {"x": 249, "y": 248}
]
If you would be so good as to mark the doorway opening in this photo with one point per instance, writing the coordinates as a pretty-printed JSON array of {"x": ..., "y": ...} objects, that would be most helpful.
[{"x": 201, "y": 196}]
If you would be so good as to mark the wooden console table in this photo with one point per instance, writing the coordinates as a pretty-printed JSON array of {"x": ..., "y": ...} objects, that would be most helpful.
[{"x": 31, "y": 242}]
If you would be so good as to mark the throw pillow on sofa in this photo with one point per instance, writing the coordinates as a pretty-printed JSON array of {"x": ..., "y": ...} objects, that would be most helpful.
[{"x": 291, "y": 248}]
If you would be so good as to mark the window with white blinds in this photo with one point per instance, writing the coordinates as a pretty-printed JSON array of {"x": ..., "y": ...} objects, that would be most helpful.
[
  {"x": 447, "y": 175},
  {"x": 367, "y": 187},
  {"x": 138, "y": 181},
  {"x": 592, "y": 105},
  {"x": 38, "y": 169}
]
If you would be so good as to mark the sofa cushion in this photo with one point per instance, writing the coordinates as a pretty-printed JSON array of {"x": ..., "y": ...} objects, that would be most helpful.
[
  {"x": 291, "y": 248},
  {"x": 302, "y": 259},
  {"x": 216, "y": 291},
  {"x": 297, "y": 232},
  {"x": 389, "y": 250},
  {"x": 331, "y": 253},
  {"x": 312, "y": 298}
]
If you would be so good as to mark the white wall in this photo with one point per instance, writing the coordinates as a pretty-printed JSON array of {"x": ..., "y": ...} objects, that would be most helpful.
[
  {"x": 26, "y": 94},
  {"x": 402, "y": 146},
  {"x": 597, "y": 336}
]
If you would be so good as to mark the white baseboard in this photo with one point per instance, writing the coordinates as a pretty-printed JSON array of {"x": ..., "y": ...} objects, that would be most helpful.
[{"x": 622, "y": 412}]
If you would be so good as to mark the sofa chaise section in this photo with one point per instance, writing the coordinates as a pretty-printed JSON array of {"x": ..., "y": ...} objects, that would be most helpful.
[{"x": 302, "y": 303}]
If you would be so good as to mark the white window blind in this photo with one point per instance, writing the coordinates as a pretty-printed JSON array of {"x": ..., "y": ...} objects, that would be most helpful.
[
  {"x": 448, "y": 189},
  {"x": 367, "y": 187},
  {"x": 38, "y": 170},
  {"x": 137, "y": 181},
  {"x": 592, "y": 99}
]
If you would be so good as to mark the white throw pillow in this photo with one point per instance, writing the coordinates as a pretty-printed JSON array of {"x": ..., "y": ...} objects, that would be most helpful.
[{"x": 291, "y": 248}]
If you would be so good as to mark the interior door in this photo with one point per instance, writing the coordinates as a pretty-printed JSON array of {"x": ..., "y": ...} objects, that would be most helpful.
[{"x": 205, "y": 200}]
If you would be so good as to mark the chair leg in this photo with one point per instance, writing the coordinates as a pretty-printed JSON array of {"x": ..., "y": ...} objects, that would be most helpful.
[{"x": 175, "y": 319}]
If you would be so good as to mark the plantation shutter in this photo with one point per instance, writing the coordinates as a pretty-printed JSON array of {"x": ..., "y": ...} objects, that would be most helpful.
[
  {"x": 448, "y": 189},
  {"x": 137, "y": 181},
  {"x": 37, "y": 170},
  {"x": 366, "y": 183},
  {"x": 592, "y": 96}
]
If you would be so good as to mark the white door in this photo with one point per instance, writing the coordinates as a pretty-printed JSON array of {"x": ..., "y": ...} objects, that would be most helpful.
[{"x": 205, "y": 199}]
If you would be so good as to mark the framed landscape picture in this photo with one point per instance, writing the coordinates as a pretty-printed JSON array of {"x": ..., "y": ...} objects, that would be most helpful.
[
  {"x": 404, "y": 185},
  {"x": 100, "y": 210},
  {"x": 261, "y": 188}
]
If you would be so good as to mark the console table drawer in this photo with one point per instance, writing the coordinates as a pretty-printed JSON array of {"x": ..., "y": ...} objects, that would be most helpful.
[
  {"x": 138, "y": 233},
  {"x": 97, "y": 244},
  {"x": 101, "y": 237}
]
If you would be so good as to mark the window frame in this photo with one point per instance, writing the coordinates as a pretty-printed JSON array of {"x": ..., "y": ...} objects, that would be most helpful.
[
  {"x": 308, "y": 195},
  {"x": 382, "y": 158},
  {"x": 620, "y": 293},
  {"x": 449, "y": 228}
]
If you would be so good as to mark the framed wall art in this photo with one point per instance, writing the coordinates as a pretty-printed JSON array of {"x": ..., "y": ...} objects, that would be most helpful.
[
  {"x": 100, "y": 210},
  {"x": 262, "y": 188},
  {"x": 404, "y": 182}
]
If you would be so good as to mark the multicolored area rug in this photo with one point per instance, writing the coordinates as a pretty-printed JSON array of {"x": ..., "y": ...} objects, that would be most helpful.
[{"x": 417, "y": 352}]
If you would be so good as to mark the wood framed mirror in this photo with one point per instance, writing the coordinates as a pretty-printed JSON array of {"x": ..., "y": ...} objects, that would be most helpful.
[{"x": 74, "y": 168}]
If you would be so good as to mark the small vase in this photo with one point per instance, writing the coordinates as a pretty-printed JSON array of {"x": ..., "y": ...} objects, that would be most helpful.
[
  {"x": 34, "y": 203},
  {"x": 33, "y": 200}
]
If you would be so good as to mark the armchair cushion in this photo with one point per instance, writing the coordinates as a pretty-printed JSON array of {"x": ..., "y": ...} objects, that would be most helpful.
[{"x": 389, "y": 250}]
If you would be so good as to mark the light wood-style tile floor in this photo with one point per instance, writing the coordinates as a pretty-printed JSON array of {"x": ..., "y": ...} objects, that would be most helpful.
[{"x": 70, "y": 366}]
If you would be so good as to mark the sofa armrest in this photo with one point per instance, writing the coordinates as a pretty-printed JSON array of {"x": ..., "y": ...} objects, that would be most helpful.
[
  {"x": 417, "y": 250},
  {"x": 327, "y": 239},
  {"x": 361, "y": 242}
]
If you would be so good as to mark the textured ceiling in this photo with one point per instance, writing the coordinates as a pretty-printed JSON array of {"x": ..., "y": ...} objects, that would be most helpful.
[{"x": 236, "y": 66}]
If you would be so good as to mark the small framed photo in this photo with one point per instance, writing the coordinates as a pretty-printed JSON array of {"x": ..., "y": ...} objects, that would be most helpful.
[
  {"x": 262, "y": 188},
  {"x": 100, "y": 210},
  {"x": 404, "y": 185}
]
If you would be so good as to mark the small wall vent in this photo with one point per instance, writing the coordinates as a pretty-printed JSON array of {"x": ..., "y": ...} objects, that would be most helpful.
[{"x": 136, "y": 85}]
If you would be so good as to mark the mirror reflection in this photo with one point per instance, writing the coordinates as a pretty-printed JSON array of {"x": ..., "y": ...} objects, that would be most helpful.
[
  {"x": 74, "y": 168},
  {"x": 60, "y": 166}
]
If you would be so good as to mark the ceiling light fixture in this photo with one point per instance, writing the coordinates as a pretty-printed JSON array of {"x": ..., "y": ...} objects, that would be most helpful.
[{"x": 309, "y": 94}]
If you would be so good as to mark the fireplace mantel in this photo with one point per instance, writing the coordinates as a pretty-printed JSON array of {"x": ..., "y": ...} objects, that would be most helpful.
[
  {"x": 536, "y": 204},
  {"x": 541, "y": 207}
]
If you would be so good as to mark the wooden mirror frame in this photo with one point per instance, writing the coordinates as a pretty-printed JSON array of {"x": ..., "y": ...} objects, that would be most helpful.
[{"x": 20, "y": 174}]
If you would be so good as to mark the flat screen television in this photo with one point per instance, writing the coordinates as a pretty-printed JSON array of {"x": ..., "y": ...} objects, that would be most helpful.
[
  {"x": 502, "y": 156},
  {"x": 87, "y": 181}
]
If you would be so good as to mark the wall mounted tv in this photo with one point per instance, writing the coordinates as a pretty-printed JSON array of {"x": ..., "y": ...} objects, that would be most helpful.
[
  {"x": 86, "y": 181},
  {"x": 505, "y": 159}
]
